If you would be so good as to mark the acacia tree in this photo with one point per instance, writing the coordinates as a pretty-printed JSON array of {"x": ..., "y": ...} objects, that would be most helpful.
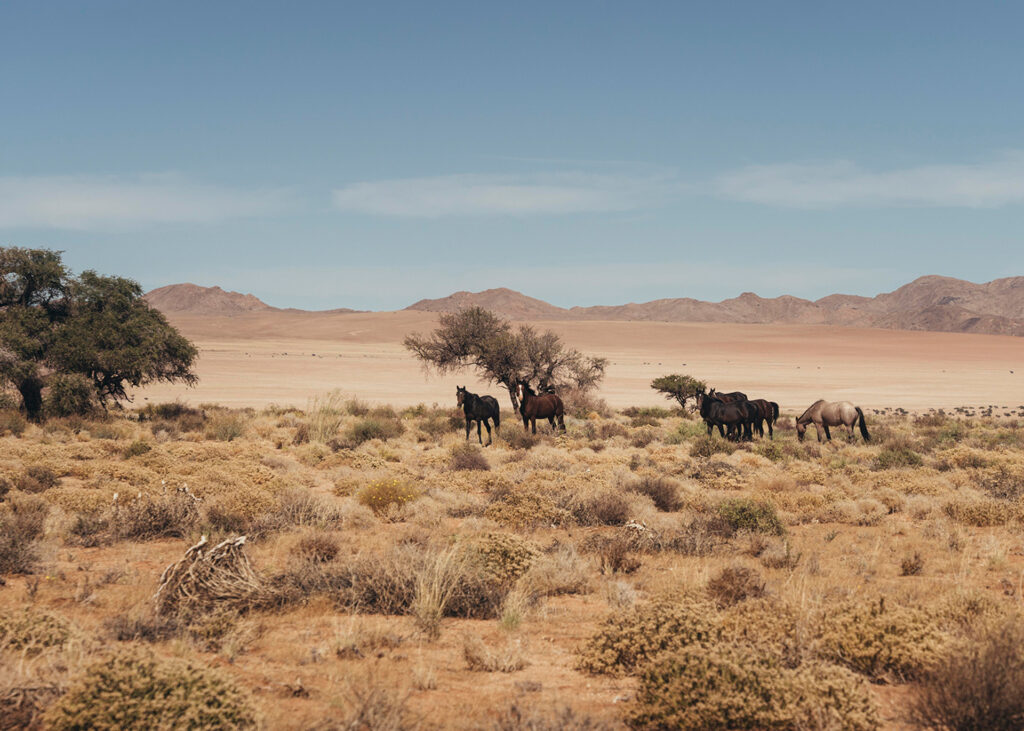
[
  {"x": 478, "y": 339},
  {"x": 93, "y": 332},
  {"x": 679, "y": 387}
]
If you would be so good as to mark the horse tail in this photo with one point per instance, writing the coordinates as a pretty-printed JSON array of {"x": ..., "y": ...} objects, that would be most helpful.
[
  {"x": 775, "y": 411},
  {"x": 497, "y": 419},
  {"x": 863, "y": 425}
]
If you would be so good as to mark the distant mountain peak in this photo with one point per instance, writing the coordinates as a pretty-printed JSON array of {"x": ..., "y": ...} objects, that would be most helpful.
[{"x": 194, "y": 299}]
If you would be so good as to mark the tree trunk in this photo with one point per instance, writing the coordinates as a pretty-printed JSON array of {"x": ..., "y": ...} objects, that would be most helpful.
[
  {"x": 512, "y": 390},
  {"x": 31, "y": 390}
]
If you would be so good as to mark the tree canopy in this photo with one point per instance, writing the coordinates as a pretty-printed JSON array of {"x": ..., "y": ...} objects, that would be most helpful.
[
  {"x": 477, "y": 339},
  {"x": 93, "y": 334},
  {"x": 679, "y": 387}
]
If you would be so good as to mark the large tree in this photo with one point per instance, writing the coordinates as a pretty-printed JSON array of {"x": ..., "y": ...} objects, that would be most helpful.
[
  {"x": 96, "y": 328},
  {"x": 480, "y": 340}
]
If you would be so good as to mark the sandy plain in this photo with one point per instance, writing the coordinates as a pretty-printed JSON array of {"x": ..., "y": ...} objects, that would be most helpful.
[{"x": 287, "y": 357}]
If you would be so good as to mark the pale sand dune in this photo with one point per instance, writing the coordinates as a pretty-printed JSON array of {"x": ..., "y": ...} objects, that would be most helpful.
[{"x": 287, "y": 357}]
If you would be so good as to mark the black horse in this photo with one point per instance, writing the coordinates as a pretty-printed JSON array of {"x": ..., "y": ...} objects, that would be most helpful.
[
  {"x": 767, "y": 412},
  {"x": 546, "y": 406},
  {"x": 737, "y": 416},
  {"x": 479, "y": 409}
]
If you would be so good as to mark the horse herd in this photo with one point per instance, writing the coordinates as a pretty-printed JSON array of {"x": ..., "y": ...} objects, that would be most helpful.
[{"x": 736, "y": 417}]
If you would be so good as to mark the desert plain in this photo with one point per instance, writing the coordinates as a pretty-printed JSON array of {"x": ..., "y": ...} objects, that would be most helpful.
[{"x": 287, "y": 357}]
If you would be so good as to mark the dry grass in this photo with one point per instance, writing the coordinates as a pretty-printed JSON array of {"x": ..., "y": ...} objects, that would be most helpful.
[{"x": 627, "y": 544}]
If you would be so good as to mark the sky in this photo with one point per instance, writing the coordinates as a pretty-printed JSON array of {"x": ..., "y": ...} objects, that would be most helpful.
[{"x": 367, "y": 155}]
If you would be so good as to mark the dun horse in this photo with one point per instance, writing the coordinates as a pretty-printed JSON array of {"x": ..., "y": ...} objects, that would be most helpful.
[
  {"x": 479, "y": 409},
  {"x": 824, "y": 414},
  {"x": 546, "y": 406}
]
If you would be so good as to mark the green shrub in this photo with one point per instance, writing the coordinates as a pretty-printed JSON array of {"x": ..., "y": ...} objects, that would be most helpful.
[
  {"x": 70, "y": 394},
  {"x": 724, "y": 687},
  {"x": 135, "y": 689},
  {"x": 753, "y": 515},
  {"x": 373, "y": 427},
  {"x": 629, "y": 639}
]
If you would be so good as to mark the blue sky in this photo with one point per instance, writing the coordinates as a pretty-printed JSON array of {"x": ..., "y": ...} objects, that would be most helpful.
[{"x": 335, "y": 154}]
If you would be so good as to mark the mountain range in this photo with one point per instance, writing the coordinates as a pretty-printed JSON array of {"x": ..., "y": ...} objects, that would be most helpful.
[{"x": 932, "y": 303}]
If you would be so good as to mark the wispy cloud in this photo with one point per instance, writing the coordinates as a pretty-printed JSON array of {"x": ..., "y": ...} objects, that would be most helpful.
[
  {"x": 999, "y": 182},
  {"x": 101, "y": 202},
  {"x": 514, "y": 195}
]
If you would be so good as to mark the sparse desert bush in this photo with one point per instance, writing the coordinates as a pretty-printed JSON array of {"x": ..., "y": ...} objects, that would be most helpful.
[
  {"x": 135, "y": 689},
  {"x": 768, "y": 626},
  {"x": 137, "y": 448},
  {"x": 326, "y": 413},
  {"x": 373, "y": 427},
  {"x": 753, "y": 515},
  {"x": 980, "y": 512},
  {"x": 29, "y": 631},
  {"x": 468, "y": 456},
  {"x": 12, "y": 422},
  {"x": 779, "y": 556},
  {"x": 318, "y": 547},
  {"x": 604, "y": 507},
  {"x": 882, "y": 642},
  {"x": 304, "y": 508},
  {"x": 167, "y": 516},
  {"x": 663, "y": 491},
  {"x": 384, "y": 495},
  {"x": 520, "y": 439},
  {"x": 525, "y": 507},
  {"x": 614, "y": 553},
  {"x": 706, "y": 446},
  {"x": 37, "y": 478},
  {"x": 226, "y": 426},
  {"x": 522, "y": 715},
  {"x": 21, "y": 525},
  {"x": 723, "y": 687},
  {"x": 629, "y": 639},
  {"x": 978, "y": 686},
  {"x": 643, "y": 436},
  {"x": 898, "y": 455},
  {"x": 503, "y": 556},
  {"x": 912, "y": 565},
  {"x": 556, "y": 572},
  {"x": 481, "y": 658},
  {"x": 734, "y": 584}
]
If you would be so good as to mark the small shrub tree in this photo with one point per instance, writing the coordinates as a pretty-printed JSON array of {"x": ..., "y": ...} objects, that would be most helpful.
[{"x": 678, "y": 387}]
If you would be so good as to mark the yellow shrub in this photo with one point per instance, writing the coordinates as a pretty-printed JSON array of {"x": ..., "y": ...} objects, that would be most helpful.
[{"x": 381, "y": 495}]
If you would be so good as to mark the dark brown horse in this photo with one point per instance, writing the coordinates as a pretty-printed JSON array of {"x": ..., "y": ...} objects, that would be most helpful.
[
  {"x": 767, "y": 411},
  {"x": 737, "y": 416},
  {"x": 727, "y": 398},
  {"x": 478, "y": 409},
  {"x": 546, "y": 406}
]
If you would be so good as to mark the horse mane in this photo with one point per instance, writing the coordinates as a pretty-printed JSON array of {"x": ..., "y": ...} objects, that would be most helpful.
[{"x": 809, "y": 408}]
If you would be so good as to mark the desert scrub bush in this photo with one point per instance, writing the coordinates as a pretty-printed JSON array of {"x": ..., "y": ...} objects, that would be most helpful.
[
  {"x": 468, "y": 456},
  {"x": 386, "y": 494},
  {"x": 978, "y": 686},
  {"x": 663, "y": 491},
  {"x": 882, "y": 642},
  {"x": 481, "y": 658},
  {"x": 503, "y": 556},
  {"x": 643, "y": 437},
  {"x": 12, "y": 422},
  {"x": 980, "y": 512},
  {"x": 435, "y": 585},
  {"x": 752, "y": 515},
  {"x": 894, "y": 456},
  {"x": 137, "y": 448},
  {"x": 525, "y": 507},
  {"x": 168, "y": 516},
  {"x": 734, "y": 584},
  {"x": 706, "y": 446},
  {"x": 628, "y": 639},
  {"x": 555, "y": 572},
  {"x": 318, "y": 547},
  {"x": 135, "y": 689},
  {"x": 374, "y": 427},
  {"x": 325, "y": 415},
  {"x": 723, "y": 687},
  {"x": 37, "y": 478},
  {"x": 21, "y": 526},
  {"x": 912, "y": 565},
  {"x": 766, "y": 624},
  {"x": 30, "y": 631},
  {"x": 226, "y": 426},
  {"x": 1003, "y": 481},
  {"x": 520, "y": 439},
  {"x": 299, "y": 507},
  {"x": 603, "y": 507}
]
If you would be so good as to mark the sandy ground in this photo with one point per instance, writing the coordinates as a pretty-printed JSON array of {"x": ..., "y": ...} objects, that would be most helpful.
[{"x": 286, "y": 358}]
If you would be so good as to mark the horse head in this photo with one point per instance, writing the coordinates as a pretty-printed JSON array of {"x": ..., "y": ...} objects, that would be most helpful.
[
  {"x": 460, "y": 394},
  {"x": 800, "y": 429}
]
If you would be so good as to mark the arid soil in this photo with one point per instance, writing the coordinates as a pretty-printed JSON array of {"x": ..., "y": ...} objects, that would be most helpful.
[{"x": 285, "y": 357}]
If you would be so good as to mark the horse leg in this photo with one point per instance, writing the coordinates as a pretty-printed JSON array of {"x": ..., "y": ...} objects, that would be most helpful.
[
  {"x": 469, "y": 425},
  {"x": 551, "y": 420},
  {"x": 817, "y": 428},
  {"x": 533, "y": 424},
  {"x": 479, "y": 436},
  {"x": 771, "y": 432},
  {"x": 487, "y": 424},
  {"x": 828, "y": 434}
]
